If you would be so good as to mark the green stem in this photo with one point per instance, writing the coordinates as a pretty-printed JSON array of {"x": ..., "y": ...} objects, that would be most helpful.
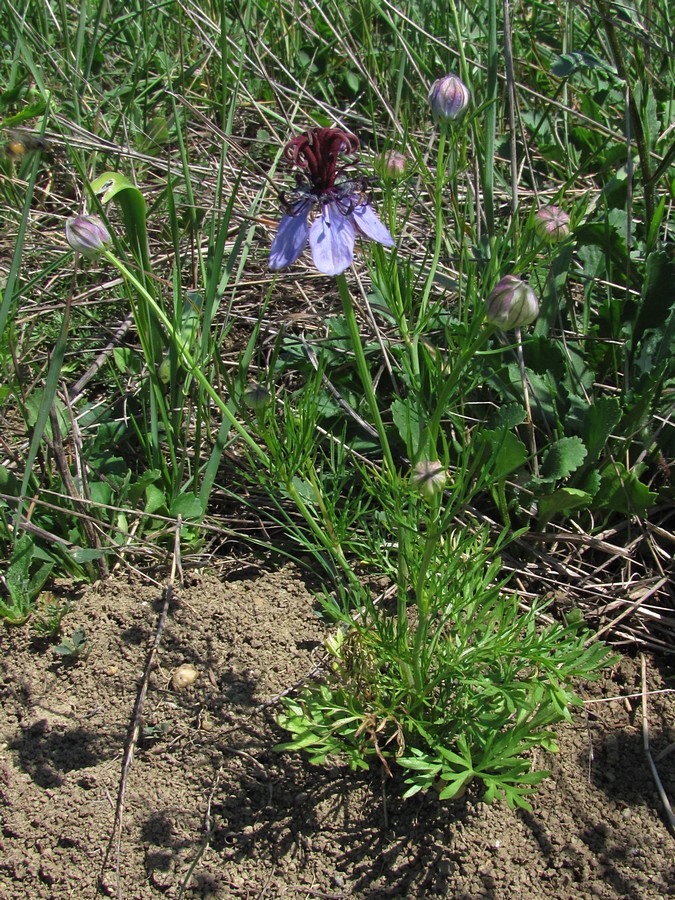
[
  {"x": 422, "y": 603},
  {"x": 449, "y": 386},
  {"x": 48, "y": 397},
  {"x": 438, "y": 232},
  {"x": 186, "y": 357},
  {"x": 459, "y": 35},
  {"x": 323, "y": 537},
  {"x": 633, "y": 111},
  {"x": 491, "y": 119},
  {"x": 363, "y": 370}
]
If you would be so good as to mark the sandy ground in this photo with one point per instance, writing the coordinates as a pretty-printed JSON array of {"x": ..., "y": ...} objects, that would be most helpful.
[{"x": 212, "y": 810}]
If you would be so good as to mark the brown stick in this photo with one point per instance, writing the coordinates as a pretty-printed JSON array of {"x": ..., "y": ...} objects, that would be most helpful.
[
  {"x": 76, "y": 389},
  {"x": 74, "y": 494},
  {"x": 136, "y": 720},
  {"x": 645, "y": 742}
]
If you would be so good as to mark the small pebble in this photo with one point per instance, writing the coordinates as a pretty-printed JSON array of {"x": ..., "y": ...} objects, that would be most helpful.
[{"x": 184, "y": 676}]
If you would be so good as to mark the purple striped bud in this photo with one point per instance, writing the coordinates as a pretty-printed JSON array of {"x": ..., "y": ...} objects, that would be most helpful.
[
  {"x": 87, "y": 235},
  {"x": 512, "y": 304},
  {"x": 392, "y": 164},
  {"x": 429, "y": 477},
  {"x": 552, "y": 224},
  {"x": 449, "y": 98}
]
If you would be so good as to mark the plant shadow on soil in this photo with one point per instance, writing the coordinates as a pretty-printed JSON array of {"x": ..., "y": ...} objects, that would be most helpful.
[{"x": 206, "y": 772}]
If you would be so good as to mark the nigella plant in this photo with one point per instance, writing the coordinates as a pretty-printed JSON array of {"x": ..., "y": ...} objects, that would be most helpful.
[{"x": 327, "y": 208}]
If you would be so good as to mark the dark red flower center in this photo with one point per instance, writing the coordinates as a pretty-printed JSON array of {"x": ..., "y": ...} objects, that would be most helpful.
[{"x": 317, "y": 152}]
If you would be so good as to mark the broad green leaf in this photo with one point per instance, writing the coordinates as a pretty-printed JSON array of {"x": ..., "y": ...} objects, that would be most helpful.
[
  {"x": 127, "y": 360},
  {"x": 549, "y": 303},
  {"x": 551, "y": 397},
  {"x": 188, "y": 506},
  {"x": 116, "y": 186},
  {"x": 507, "y": 416},
  {"x": 86, "y": 554},
  {"x": 16, "y": 575},
  {"x": 562, "y": 458},
  {"x": 9, "y": 483},
  {"x": 301, "y": 742},
  {"x": 100, "y": 492},
  {"x": 455, "y": 786},
  {"x": 28, "y": 112},
  {"x": 569, "y": 63},
  {"x": 658, "y": 295},
  {"x": 154, "y": 498},
  {"x": 623, "y": 492},
  {"x": 544, "y": 356},
  {"x": 563, "y": 500},
  {"x": 508, "y": 452},
  {"x": 590, "y": 482},
  {"x": 405, "y": 414},
  {"x": 599, "y": 420}
]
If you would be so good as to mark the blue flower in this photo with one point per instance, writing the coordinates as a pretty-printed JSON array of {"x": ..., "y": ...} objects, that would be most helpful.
[{"x": 327, "y": 213}]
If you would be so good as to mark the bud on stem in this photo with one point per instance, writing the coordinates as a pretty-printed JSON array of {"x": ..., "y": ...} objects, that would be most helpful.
[
  {"x": 87, "y": 235},
  {"x": 449, "y": 98},
  {"x": 512, "y": 304}
]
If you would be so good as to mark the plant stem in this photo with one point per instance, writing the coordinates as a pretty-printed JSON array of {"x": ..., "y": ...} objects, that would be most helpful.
[
  {"x": 422, "y": 603},
  {"x": 511, "y": 88},
  {"x": 363, "y": 370},
  {"x": 491, "y": 120},
  {"x": 526, "y": 398},
  {"x": 322, "y": 537},
  {"x": 186, "y": 357},
  {"x": 430, "y": 446},
  {"x": 438, "y": 230},
  {"x": 634, "y": 112},
  {"x": 195, "y": 371}
]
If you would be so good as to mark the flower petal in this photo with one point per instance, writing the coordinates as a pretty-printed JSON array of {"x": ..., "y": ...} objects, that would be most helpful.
[
  {"x": 331, "y": 238},
  {"x": 369, "y": 225},
  {"x": 289, "y": 241}
]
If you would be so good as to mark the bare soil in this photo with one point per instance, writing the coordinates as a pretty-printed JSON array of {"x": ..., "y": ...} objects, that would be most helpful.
[{"x": 212, "y": 810}]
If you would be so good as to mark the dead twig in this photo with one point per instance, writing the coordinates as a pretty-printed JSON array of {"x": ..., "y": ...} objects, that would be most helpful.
[
  {"x": 74, "y": 494},
  {"x": 75, "y": 390},
  {"x": 136, "y": 721},
  {"x": 645, "y": 741},
  {"x": 207, "y": 833},
  {"x": 610, "y": 626}
]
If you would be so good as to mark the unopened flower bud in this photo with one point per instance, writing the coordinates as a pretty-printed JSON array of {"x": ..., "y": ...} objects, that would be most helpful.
[
  {"x": 87, "y": 235},
  {"x": 552, "y": 224},
  {"x": 449, "y": 98},
  {"x": 256, "y": 397},
  {"x": 512, "y": 304},
  {"x": 429, "y": 477},
  {"x": 392, "y": 164}
]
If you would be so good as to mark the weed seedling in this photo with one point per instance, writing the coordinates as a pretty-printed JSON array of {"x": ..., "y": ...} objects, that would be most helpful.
[
  {"x": 50, "y": 616},
  {"x": 75, "y": 648}
]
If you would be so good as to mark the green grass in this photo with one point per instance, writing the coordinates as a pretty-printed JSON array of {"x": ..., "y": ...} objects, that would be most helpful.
[{"x": 558, "y": 438}]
